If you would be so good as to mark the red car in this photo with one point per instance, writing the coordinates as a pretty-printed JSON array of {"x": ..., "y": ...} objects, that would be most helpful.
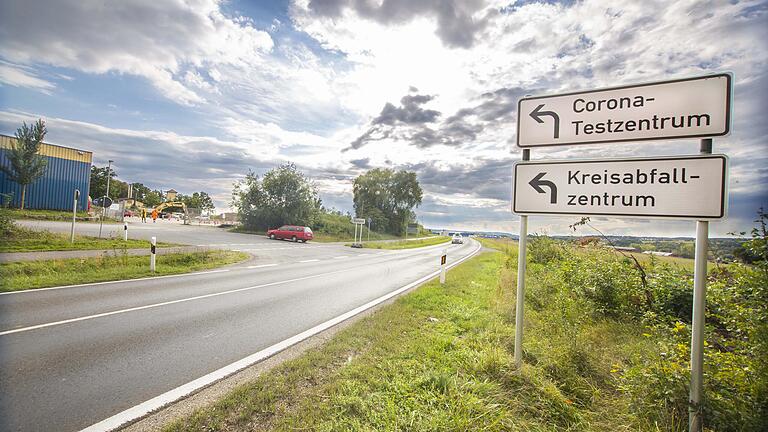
[{"x": 292, "y": 232}]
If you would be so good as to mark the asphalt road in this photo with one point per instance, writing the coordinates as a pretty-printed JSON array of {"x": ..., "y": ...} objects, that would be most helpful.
[
  {"x": 72, "y": 357},
  {"x": 263, "y": 249},
  {"x": 167, "y": 231}
]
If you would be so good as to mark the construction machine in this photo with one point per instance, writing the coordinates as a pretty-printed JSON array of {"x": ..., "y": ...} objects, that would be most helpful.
[{"x": 169, "y": 204}]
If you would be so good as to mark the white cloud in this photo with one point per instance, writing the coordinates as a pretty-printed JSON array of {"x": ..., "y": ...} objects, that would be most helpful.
[
  {"x": 156, "y": 40},
  {"x": 19, "y": 76},
  {"x": 542, "y": 48}
]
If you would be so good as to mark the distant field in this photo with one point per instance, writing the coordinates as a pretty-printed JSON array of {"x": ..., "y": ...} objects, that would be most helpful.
[
  {"x": 687, "y": 263},
  {"x": 402, "y": 244}
]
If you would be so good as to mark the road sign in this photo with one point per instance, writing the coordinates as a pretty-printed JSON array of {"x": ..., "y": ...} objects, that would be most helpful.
[
  {"x": 358, "y": 221},
  {"x": 104, "y": 201},
  {"x": 670, "y": 187},
  {"x": 684, "y": 108},
  {"x": 412, "y": 228}
]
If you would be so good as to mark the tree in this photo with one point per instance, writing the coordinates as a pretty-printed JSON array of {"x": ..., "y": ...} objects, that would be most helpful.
[
  {"x": 153, "y": 198},
  {"x": 283, "y": 196},
  {"x": 25, "y": 164},
  {"x": 117, "y": 188},
  {"x": 388, "y": 197},
  {"x": 198, "y": 200}
]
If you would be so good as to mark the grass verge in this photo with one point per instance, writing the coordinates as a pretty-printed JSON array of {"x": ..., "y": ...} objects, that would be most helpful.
[
  {"x": 402, "y": 244},
  {"x": 323, "y": 237},
  {"x": 20, "y": 239},
  {"x": 439, "y": 358},
  {"x": 54, "y": 215},
  {"x": 17, "y": 276}
]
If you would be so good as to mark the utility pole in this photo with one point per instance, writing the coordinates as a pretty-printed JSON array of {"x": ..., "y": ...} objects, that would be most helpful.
[{"x": 104, "y": 209}]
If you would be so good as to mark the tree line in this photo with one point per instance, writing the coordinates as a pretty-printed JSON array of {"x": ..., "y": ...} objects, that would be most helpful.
[{"x": 285, "y": 196}]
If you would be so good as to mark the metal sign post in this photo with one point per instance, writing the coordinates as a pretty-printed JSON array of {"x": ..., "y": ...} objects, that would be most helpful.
[
  {"x": 521, "y": 264},
  {"x": 359, "y": 224},
  {"x": 74, "y": 216},
  {"x": 695, "y": 420}
]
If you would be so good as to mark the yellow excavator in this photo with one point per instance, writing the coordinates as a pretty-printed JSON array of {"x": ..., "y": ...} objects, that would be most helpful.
[{"x": 169, "y": 204}]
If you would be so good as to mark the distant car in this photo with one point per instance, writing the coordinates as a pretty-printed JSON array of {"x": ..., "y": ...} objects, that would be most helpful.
[
  {"x": 128, "y": 213},
  {"x": 291, "y": 232},
  {"x": 457, "y": 239}
]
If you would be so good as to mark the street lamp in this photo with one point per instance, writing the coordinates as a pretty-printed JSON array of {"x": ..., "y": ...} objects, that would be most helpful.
[{"x": 103, "y": 208}]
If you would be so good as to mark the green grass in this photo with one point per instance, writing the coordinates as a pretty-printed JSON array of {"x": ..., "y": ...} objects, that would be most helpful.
[
  {"x": 323, "y": 237},
  {"x": 402, "y": 244},
  {"x": 17, "y": 276},
  {"x": 21, "y": 239},
  {"x": 55, "y": 215},
  {"x": 441, "y": 359}
]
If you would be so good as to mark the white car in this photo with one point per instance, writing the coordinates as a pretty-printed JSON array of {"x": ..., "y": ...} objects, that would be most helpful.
[{"x": 457, "y": 239}]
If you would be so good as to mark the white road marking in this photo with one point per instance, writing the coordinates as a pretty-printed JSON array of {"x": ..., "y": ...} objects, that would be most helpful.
[
  {"x": 154, "y": 305},
  {"x": 145, "y": 408},
  {"x": 32, "y": 291},
  {"x": 261, "y": 266},
  {"x": 341, "y": 256},
  {"x": 309, "y": 260}
]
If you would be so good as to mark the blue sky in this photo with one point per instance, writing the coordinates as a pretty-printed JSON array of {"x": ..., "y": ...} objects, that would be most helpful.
[{"x": 191, "y": 94}]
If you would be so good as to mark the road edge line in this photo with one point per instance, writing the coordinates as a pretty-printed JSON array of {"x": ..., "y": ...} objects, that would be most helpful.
[{"x": 138, "y": 411}]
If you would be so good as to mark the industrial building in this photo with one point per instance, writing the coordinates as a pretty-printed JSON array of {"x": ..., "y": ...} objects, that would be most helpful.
[{"x": 68, "y": 169}]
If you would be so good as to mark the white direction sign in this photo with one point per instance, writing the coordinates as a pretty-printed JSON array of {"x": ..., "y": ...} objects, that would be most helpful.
[
  {"x": 358, "y": 221},
  {"x": 670, "y": 187},
  {"x": 685, "y": 108}
]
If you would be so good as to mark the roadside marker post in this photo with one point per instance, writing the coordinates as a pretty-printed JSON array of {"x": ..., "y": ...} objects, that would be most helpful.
[
  {"x": 125, "y": 231},
  {"x": 443, "y": 259},
  {"x": 681, "y": 187},
  {"x": 74, "y": 216},
  {"x": 152, "y": 254}
]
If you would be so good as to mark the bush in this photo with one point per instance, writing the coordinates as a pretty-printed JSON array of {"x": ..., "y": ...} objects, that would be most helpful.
[
  {"x": 583, "y": 285},
  {"x": 7, "y": 226},
  {"x": 542, "y": 249}
]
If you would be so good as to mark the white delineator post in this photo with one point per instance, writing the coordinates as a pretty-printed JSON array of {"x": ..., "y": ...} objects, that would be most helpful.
[
  {"x": 74, "y": 216},
  {"x": 443, "y": 259},
  {"x": 152, "y": 255},
  {"x": 519, "y": 301},
  {"x": 695, "y": 417},
  {"x": 125, "y": 231}
]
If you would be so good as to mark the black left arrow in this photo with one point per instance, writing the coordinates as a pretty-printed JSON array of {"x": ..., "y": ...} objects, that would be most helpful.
[
  {"x": 537, "y": 183},
  {"x": 537, "y": 114}
]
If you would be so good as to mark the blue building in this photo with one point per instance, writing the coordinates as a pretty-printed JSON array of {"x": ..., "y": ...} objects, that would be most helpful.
[{"x": 68, "y": 169}]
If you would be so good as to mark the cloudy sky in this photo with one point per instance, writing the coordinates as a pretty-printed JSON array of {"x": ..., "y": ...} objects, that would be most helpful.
[{"x": 191, "y": 94}]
